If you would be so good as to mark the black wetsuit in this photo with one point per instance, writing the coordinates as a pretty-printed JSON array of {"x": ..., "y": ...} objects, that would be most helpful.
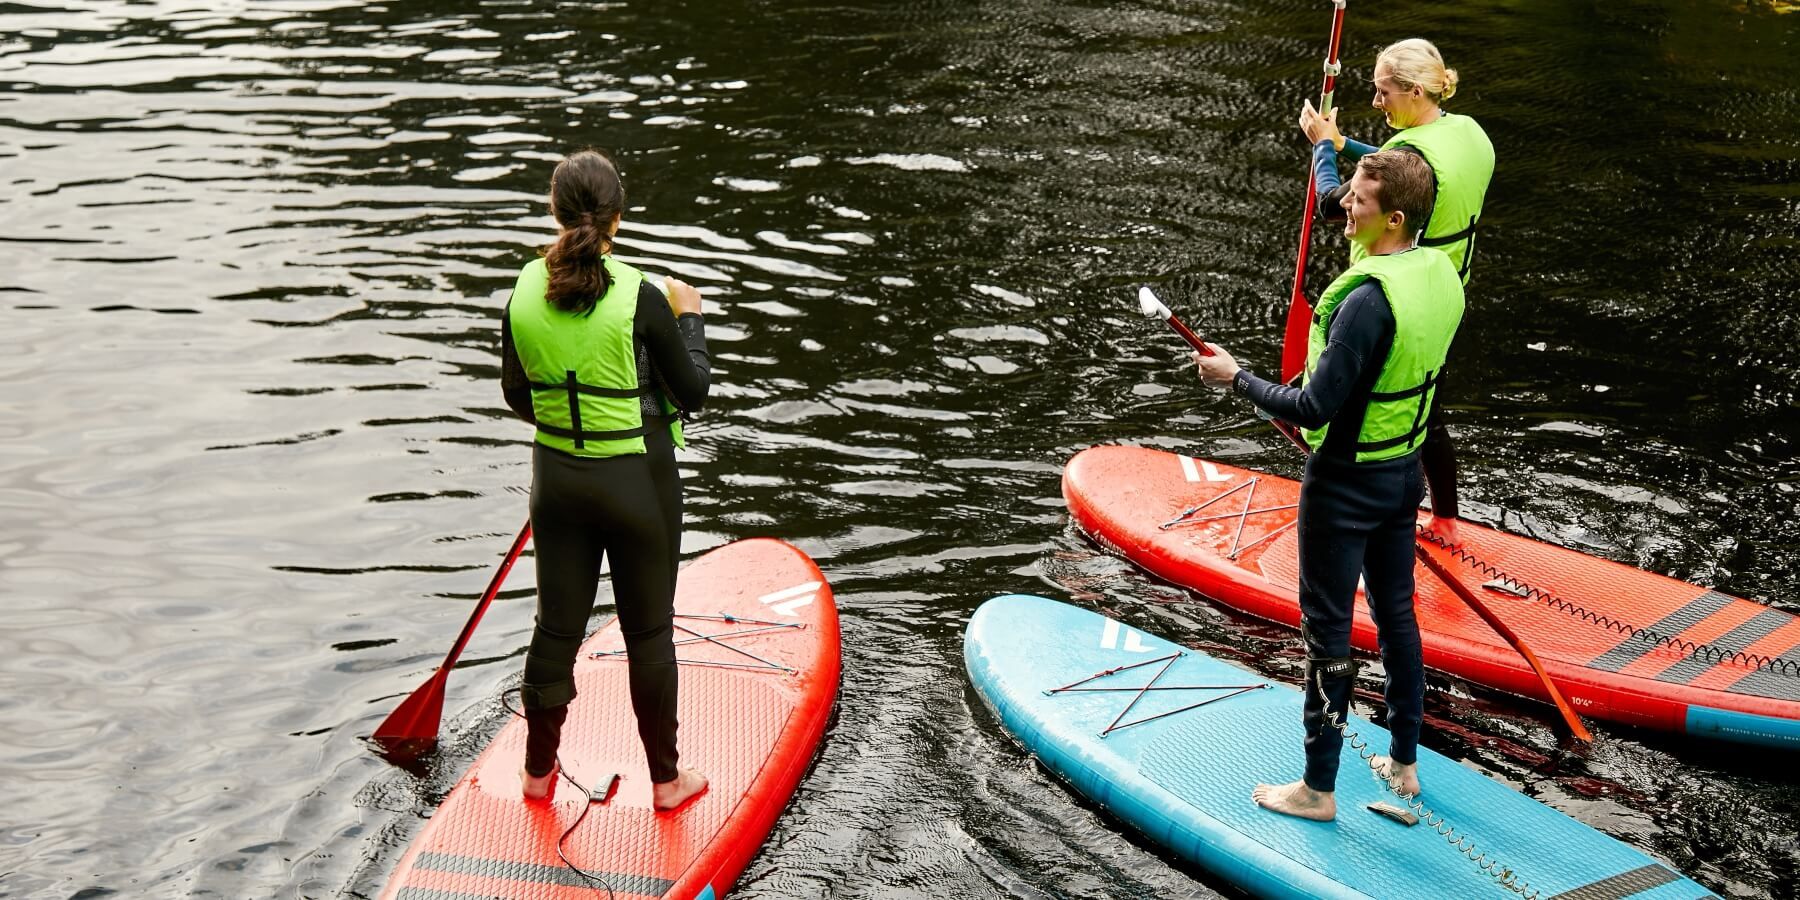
[
  {"x": 1439, "y": 453},
  {"x": 624, "y": 508},
  {"x": 1356, "y": 519}
]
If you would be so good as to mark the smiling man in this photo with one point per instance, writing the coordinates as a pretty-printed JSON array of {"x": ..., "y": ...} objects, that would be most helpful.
[{"x": 1380, "y": 334}]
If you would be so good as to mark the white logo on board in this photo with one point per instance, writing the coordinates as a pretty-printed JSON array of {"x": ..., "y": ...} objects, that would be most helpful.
[
  {"x": 1109, "y": 638},
  {"x": 788, "y": 601},
  {"x": 1191, "y": 473}
]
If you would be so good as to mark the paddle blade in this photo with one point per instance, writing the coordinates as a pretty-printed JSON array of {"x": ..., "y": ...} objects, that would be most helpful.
[
  {"x": 1294, "y": 338},
  {"x": 412, "y": 727}
]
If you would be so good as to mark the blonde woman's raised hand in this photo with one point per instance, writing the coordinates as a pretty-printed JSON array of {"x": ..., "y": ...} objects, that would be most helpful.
[{"x": 1319, "y": 128}]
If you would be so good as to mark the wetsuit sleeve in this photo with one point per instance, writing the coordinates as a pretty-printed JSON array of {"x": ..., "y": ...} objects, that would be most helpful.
[
  {"x": 1361, "y": 325},
  {"x": 1357, "y": 149},
  {"x": 677, "y": 348},
  {"x": 513, "y": 383},
  {"x": 1329, "y": 182},
  {"x": 1326, "y": 182}
]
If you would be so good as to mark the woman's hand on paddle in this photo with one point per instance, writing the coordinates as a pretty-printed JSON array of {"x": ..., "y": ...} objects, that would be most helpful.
[
  {"x": 684, "y": 298},
  {"x": 1217, "y": 370},
  {"x": 1319, "y": 128}
]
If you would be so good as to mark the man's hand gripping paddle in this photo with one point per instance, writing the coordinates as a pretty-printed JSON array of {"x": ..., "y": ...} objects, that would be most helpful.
[
  {"x": 412, "y": 728},
  {"x": 1153, "y": 308}
]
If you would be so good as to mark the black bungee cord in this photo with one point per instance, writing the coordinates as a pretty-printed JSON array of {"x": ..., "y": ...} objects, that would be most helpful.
[{"x": 597, "y": 882}]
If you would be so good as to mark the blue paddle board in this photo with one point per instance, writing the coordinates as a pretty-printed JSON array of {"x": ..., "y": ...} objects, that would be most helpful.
[{"x": 1178, "y": 763}]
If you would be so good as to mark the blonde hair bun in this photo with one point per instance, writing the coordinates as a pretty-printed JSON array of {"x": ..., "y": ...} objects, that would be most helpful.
[{"x": 1416, "y": 62}]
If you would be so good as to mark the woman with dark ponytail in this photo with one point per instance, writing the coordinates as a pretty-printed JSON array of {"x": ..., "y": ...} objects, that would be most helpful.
[{"x": 603, "y": 365}]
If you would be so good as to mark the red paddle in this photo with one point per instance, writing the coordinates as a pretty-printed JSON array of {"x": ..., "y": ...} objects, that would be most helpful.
[
  {"x": 1299, "y": 317},
  {"x": 1154, "y": 308},
  {"x": 412, "y": 727},
  {"x": 1487, "y": 615}
]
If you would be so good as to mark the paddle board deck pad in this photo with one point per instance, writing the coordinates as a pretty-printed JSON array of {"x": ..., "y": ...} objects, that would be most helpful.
[
  {"x": 1182, "y": 773},
  {"x": 756, "y": 693},
  {"x": 1623, "y": 645}
]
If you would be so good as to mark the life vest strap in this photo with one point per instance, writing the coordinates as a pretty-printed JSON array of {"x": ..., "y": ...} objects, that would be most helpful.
[
  {"x": 1430, "y": 381},
  {"x": 1445, "y": 240},
  {"x": 1407, "y": 438},
  {"x": 1424, "y": 392},
  {"x": 578, "y": 436},
  {"x": 574, "y": 389},
  {"x": 590, "y": 390},
  {"x": 1451, "y": 238}
]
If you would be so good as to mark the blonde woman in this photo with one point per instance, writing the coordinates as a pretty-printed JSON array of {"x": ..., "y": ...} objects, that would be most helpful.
[{"x": 1411, "y": 85}]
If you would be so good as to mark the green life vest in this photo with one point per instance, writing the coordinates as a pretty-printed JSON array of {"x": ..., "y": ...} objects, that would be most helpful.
[
  {"x": 1426, "y": 299},
  {"x": 583, "y": 366},
  {"x": 1462, "y": 160}
]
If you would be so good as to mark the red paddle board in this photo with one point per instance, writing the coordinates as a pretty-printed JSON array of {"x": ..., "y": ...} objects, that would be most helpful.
[
  {"x": 1624, "y": 645},
  {"x": 756, "y": 632}
]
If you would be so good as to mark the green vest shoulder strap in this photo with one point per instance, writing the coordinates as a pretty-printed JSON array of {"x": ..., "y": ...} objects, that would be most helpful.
[
  {"x": 1462, "y": 162},
  {"x": 583, "y": 366},
  {"x": 1426, "y": 298}
]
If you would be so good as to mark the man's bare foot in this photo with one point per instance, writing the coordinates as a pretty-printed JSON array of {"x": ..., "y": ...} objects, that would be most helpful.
[
  {"x": 1444, "y": 528},
  {"x": 687, "y": 785},
  {"x": 1296, "y": 800},
  {"x": 1404, "y": 779}
]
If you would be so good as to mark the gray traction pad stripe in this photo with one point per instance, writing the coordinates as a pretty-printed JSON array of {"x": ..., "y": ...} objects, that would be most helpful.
[
  {"x": 1634, "y": 648},
  {"x": 1781, "y": 683},
  {"x": 1622, "y": 885},
  {"x": 1755, "y": 629},
  {"x": 523, "y": 871},
  {"x": 413, "y": 893}
]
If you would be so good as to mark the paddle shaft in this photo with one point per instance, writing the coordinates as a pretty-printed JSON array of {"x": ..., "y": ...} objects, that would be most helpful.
[
  {"x": 1449, "y": 579},
  {"x": 1293, "y": 348},
  {"x": 1288, "y": 431},
  {"x": 417, "y": 717},
  {"x": 487, "y": 596},
  {"x": 1487, "y": 615}
]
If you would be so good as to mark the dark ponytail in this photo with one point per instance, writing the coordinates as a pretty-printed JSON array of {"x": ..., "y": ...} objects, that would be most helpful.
[{"x": 585, "y": 196}]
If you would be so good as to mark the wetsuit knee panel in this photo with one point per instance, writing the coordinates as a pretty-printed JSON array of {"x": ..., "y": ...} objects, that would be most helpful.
[{"x": 1332, "y": 668}]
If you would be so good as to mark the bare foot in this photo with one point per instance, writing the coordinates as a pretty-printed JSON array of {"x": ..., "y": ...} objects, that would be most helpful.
[
  {"x": 687, "y": 785},
  {"x": 1404, "y": 779},
  {"x": 538, "y": 787},
  {"x": 1296, "y": 800},
  {"x": 1444, "y": 528}
]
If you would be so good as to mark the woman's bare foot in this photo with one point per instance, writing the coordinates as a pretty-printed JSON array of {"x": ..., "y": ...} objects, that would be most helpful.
[
  {"x": 1296, "y": 800},
  {"x": 687, "y": 785},
  {"x": 538, "y": 787},
  {"x": 1404, "y": 779}
]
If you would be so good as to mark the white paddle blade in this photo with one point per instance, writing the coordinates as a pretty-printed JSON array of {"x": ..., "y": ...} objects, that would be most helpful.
[{"x": 1150, "y": 306}]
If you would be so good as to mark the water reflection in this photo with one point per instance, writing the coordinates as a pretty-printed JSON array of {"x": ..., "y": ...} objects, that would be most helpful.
[{"x": 256, "y": 465}]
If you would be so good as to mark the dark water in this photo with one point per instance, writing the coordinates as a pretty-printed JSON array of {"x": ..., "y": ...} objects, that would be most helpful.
[{"x": 255, "y": 466}]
